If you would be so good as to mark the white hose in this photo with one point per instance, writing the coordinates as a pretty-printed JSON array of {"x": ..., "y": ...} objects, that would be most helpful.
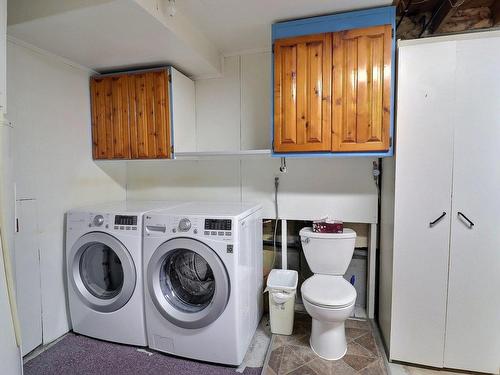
[{"x": 5, "y": 159}]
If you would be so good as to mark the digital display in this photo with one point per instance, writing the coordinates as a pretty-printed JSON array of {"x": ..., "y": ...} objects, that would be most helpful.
[
  {"x": 217, "y": 224},
  {"x": 125, "y": 220}
]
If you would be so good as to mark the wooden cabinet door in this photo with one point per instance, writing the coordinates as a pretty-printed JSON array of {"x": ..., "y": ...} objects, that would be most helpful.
[
  {"x": 302, "y": 94},
  {"x": 362, "y": 89},
  {"x": 150, "y": 115},
  {"x": 110, "y": 117}
]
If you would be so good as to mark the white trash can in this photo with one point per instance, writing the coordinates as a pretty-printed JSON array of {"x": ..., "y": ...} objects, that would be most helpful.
[{"x": 282, "y": 287}]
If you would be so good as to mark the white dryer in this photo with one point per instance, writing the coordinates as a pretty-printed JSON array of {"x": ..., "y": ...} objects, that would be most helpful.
[
  {"x": 203, "y": 279},
  {"x": 104, "y": 270}
]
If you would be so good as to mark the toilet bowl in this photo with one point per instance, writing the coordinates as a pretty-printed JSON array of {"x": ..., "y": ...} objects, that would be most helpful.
[{"x": 328, "y": 298}]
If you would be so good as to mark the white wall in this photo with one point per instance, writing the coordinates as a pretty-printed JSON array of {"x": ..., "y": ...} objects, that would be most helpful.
[
  {"x": 233, "y": 113},
  {"x": 10, "y": 357},
  {"x": 49, "y": 107}
]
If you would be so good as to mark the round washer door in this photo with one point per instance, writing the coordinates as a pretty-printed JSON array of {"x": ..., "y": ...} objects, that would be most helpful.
[
  {"x": 188, "y": 283},
  {"x": 101, "y": 272}
]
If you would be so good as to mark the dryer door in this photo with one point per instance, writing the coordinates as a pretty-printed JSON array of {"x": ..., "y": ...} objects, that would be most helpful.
[
  {"x": 101, "y": 271},
  {"x": 188, "y": 282}
]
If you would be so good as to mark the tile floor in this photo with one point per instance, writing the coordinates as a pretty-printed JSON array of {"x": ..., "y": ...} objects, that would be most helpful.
[{"x": 292, "y": 354}]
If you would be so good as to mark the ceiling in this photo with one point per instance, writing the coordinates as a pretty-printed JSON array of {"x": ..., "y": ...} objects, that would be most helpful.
[
  {"x": 242, "y": 25},
  {"x": 116, "y": 35},
  {"x": 106, "y": 35},
  {"x": 421, "y": 6}
]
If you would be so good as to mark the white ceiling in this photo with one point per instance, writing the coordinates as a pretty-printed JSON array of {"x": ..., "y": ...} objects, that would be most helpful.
[
  {"x": 241, "y": 25},
  {"x": 117, "y": 34}
]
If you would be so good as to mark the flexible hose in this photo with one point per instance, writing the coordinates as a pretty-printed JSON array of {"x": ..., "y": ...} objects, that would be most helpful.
[{"x": 276, "y": 184}]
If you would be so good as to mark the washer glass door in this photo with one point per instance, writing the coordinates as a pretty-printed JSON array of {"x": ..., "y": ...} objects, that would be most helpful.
[
  {"x": 188, "y": 283},
  {"x": 101, "y": 272},
  {"x": 187, "y": 280}
]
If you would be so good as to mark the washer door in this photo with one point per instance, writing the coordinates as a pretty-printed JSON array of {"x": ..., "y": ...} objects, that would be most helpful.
[
  {"x": 101, "y": 272},
  {"x": 188, "y": 283}
]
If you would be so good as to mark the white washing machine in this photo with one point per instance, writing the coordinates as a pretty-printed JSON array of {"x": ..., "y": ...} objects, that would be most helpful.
[
  {"x": 104, "y": 270},
  {"x": 203, "y": 279}
]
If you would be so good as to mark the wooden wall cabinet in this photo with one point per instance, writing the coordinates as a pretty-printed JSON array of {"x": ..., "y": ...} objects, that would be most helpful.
[
  {"x": 333, "y": 90},
  {"x": 362, "y": 89},
  {"x": 131, "y": 115},
  {"x": 302, "y": 93}
]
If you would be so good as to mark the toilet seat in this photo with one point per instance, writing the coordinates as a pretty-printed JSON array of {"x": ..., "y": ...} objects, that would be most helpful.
[{"x": 328, "y": 291}]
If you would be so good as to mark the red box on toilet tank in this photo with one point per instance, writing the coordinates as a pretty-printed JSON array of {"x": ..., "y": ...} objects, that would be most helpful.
[{"x": 328, "y": 226}]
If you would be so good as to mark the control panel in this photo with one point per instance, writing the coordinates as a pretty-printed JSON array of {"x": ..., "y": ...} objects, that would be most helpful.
[
  {"x": 103, "y": 221},
  {"x": 190, "y": 226},
  {"x": 218, "y": 224},
  {"x": 217, "y": 227},
  {"x": 125, "y": 222}
]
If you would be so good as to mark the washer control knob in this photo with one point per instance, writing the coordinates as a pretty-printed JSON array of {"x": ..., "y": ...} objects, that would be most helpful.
[
  {"x": 184, "y": 225},
  {"x": 98, "y": 220},
  {"x": 195, "y": 231}
]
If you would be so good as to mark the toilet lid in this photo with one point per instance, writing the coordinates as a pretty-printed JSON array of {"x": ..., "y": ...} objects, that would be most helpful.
[
  {"x": 308, "y": 232},
  {"x": 328, "y": 291}
]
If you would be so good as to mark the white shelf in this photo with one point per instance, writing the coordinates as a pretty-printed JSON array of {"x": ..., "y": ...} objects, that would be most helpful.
[{"x": 220, "y": 154}]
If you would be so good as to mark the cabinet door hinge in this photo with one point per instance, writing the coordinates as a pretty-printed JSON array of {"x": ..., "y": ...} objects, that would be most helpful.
[
  {"x": 390, "y": 141},
  {"x": 392, "y": 32},
  {"x": 172, "y": 150}
]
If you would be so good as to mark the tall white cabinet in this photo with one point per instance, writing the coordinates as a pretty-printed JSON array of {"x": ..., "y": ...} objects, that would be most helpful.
[{"x": 441, "y": 307}]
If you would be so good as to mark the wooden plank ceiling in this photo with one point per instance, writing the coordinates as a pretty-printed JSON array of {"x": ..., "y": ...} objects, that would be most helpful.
[{"x": 419, "y": 18}]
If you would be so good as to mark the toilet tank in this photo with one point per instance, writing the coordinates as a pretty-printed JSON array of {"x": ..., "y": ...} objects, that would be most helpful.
[{"x": 328, "y": 253}]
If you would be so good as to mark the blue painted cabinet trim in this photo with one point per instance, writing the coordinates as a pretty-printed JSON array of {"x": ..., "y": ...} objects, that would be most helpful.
[{"x": 332, "y": 23}]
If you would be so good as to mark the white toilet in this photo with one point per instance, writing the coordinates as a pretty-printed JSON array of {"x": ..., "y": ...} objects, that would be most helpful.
[{"x": 327, "y": 296}]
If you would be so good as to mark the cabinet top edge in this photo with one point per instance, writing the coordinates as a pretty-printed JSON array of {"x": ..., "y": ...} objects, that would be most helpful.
[
  {"x": 476, "y": 34},
  {"x": 132, "y": 71},
  {"x": 335, "y": 22}
]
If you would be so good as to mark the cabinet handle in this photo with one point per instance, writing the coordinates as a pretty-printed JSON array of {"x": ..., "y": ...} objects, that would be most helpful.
[
  {"x": 432, "y": 223},
  {"x": 471, "y": 224}
]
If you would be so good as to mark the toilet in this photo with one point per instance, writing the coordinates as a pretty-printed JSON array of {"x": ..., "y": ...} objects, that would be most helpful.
[{"x": 328, "y": 298}]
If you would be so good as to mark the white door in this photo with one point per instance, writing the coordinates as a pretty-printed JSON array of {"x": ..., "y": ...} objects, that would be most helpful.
[
  {"x": 473, "y": 322},
  {"x": 424, "y": 150},
  {"x": 28, "y": 288}
]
